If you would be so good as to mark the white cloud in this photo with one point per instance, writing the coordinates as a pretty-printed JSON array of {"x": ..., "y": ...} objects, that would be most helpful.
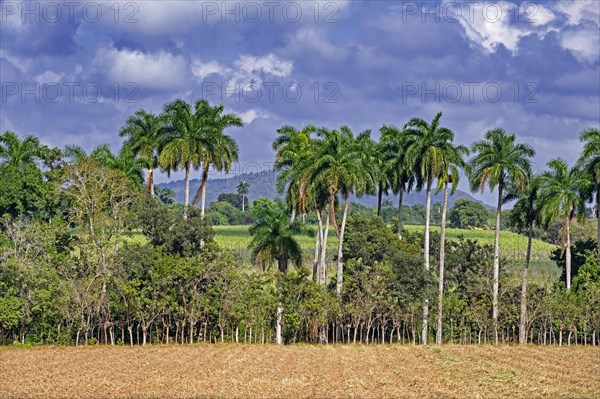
[
  {"x": 254, "y": 113},
  {"x": 202, "y": 69},
  {"x": 269, "y": 63},
  {"x": 577, "y": 10},
  {"x": 161, "y": 70},
  {"x": 584, "y": 43},
  {"x": 309, "y": 40}
]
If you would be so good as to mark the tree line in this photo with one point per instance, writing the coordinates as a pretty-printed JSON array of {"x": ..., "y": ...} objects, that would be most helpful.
[{"x": 73, "y": 270}]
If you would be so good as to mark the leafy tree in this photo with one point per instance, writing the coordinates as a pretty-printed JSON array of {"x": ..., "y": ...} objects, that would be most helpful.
[
  {"x": 17, "y": 152},
  {"x": 467, "y": 213},
  {"x": 499, "y": 163},
  {"x": 166, "y": 195},
  {"x": 233, "y": 199},
  {"x": 243, "y": 189},
  {"x": 560, "y": 198},
  {"x": 589, "y": 162},
  {"x": 143, "y": 140}
]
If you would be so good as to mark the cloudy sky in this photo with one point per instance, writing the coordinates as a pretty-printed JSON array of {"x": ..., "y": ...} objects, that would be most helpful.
[{"x": 72, "y": 72}]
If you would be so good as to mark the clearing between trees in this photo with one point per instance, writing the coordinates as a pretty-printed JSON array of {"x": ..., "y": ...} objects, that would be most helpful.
[{"x": 300, "y": 371}]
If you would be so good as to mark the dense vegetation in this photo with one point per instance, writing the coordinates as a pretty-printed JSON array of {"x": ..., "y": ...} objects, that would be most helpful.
[{"x": 71, "y": 273}]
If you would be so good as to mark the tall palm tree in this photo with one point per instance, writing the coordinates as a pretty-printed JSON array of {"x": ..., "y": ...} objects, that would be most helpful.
[
  {"x": 181, "y": 142},
  {"x": 341, "y": 166},
  {"x": 498, "y": 163},
  {"x": 427, "y": 144},
  {"x": 453, "y": 159},
  {"x": 272, "y": 240},
  {"x": 400, "y": 176},
  {"x": 560, "y": 198},
  {"x": 143, "y": 139},
  {"x": 242, "y": 189},
  {"x": 17, "y": 152},
  {"x": 590, "y": 163},
  {"x": 525, "y": 215},
  {"x": 216, "y": 148}
]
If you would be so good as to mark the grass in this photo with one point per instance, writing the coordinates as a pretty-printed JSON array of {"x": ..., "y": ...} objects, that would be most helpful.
[{"x": 300, "y": 371}]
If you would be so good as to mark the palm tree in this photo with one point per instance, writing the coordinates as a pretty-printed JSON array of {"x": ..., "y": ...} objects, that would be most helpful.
[
  {"x": 560, "y": 198},
  {"x": 216, "y": 148},
  {"x": 242, "y": 189},
  {"x": 590, "y": 163},
  {"x": 143, "y": 139},
  {"x": 340, "y": 165},
  {"x": 17, "y": 152},
  {"x": 524, "y": 216},
  {"x": 400, "y": 176},
  {"x": 453, "y": 159},
  {"x": 498, "y": 163},
  {"x": 272, "y": 240},
  {"x": 426, "y": 146},
  {"x": 180, "y": 142}
]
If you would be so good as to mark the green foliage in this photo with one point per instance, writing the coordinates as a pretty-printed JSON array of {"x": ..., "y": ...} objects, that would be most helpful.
[
  {"x": 467, "y": 213},
  {"x": 234, "y": 199}
]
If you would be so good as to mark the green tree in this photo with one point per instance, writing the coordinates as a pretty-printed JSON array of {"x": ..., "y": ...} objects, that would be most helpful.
[
  {"x": 561, "y": 197},
  {"x": 425, "y": 153},
  {"x": 589, "y": 162},
  {"x": 498, "y": 163},
  {"x": 467, "y": 213},
  {"x": 243, "y": 188},
  {"x": 17, "y": 152},
  {"x": 143, "y": 139}
]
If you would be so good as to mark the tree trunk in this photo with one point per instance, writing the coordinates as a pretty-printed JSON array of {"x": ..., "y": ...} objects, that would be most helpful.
[
  {"x": 333, "y": 219},
  {"x": 426, "y": 259},
  {"x": 278, "y": 330},
  {"x": 568, "y": 252},
  {"x": 340, "y": 263},
  {"x": 523, "y": 317},
  {"x": 400, "y": 200},
  {"x": 323, "y": 262},
  {"x": 379, "y": 197},
  {"x": 293, "y": 215},
  {"x": 244, "y": 204},
  {"x": 203, "y": 190},
  {"x": 598, "y": 213},
  {"x": 150, "y": 185},
  {"x": 315, "y": 276},
  {"x": 186, "y": 195},
  {"x": 496, "y": 264},
  {"x": 438, "y": 333}
]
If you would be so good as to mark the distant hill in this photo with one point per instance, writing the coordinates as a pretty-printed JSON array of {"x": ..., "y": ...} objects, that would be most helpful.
[{"x": 262, "y": 184}]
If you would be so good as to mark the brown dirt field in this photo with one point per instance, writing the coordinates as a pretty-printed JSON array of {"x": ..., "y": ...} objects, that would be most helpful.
[{"x": 301, "y": 371}]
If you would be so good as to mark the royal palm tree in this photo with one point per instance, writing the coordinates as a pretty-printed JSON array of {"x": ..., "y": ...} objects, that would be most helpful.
[
  {"x": 17, "y": 152},
  {"x": 524, "y": 216},
  {"x": 216, "y": 148},
  {"x": 401, "y": 179},
  {"x": 498, "y": 163},
  {"x": 561, "y": 197},
  {"x": 453, "y": 159},
  {"x": 427, "y": 144},
  {"x": 242, "y": 189},
  {"x": 273, "y": 241},
  {"x": 589, "y": 162},
  {"x": 181, "y": 142},
  {"x": 143, "y": 139},
  {"x": 340, "y": 165}
]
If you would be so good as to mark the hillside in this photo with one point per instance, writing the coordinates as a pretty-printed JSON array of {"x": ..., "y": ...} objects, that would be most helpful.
[{"x": 262, "y": 184}]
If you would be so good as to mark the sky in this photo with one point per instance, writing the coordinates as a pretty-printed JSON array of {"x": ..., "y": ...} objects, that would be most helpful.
[{"x": 71, "y": 72}]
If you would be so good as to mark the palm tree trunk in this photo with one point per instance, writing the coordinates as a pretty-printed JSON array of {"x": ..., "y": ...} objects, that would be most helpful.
[
  {"x": 598, "y": 213},
  {"x": 293, "y": 215},
  {"x": 186, "y": 195},
  {"x": 244, "y": 204},
  {"x": 400, "y": 200},
  {"x": 379, "y": 197},
  {"x": 496, "y": 264},
  {"x": 340, "y": 263},
  {"x": 332, "y": 217},
  {"x": 315, "y": 276},
  {"x": 568, "y": 252},
  {"x": 203, "y": 190},
  {"x": 323, "y": 262},
  {"x": 438, "y": 333},
  {"x": 426, "y": 259},
  {"x": 150, "y": 185},
  {"x": 523, "y": 317}
]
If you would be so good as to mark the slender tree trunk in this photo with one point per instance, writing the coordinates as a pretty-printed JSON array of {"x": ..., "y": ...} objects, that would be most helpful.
[
  {"x": 523, "y": 317},
  {"x": 496, "y": 265},
  {"x": 203, "y": 190},
  {"x": 340, "y": 263},
  {"x": 244, "y": 204},
  {"x": 438, "y": 333},
  {"x": 426, "y": 259},
  {"x": 379, "y": 197},
  {"x": 323, "y": 263},
  {"x": 150, "y": 185},
  {"x": 332, "y": 217},
  {"x": 400, "y": 200},
  {"x": 315, "y": 276},
  {"x": 186, "y": 195},
  {"x": 278, "y": 329},
  {"x": 293, "y": 215},
  {"x": 568, "y": 252}
]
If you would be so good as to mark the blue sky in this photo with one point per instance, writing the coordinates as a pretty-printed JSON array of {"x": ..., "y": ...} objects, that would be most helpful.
[{"x": 72, "y": 72}]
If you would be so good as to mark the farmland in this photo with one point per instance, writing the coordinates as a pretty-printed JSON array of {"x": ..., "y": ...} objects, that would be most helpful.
[{"x": 300, "y": 371}]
